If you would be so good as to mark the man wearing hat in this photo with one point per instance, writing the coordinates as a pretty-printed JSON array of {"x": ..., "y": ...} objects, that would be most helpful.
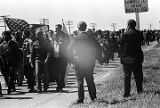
[
  {"x": 132, "y": 57},
  {"x": 85, "y": 47}
]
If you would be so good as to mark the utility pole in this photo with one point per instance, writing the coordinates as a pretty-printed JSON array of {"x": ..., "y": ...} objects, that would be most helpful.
[
  {"x": 44, "y": 21},
  {"x": 114, "y": 26},
  {"x": 93, "y": 25},
  {"x": 150, "y": 26},
  {"x": 69, "y": 23},
  {"x": 3, "y": 20}
]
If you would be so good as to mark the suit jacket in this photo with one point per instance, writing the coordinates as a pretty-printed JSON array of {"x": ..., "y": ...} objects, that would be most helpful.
[
  {"x": 131, "y": 46},
  {"x": 86, "y": 47}
]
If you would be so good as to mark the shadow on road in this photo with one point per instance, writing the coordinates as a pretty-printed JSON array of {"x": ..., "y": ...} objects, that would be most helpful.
[{"x": 19, "y": 98}]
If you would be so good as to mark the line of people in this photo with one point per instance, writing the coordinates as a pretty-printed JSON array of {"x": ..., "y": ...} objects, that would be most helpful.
[{"x": 44, "y": 58}]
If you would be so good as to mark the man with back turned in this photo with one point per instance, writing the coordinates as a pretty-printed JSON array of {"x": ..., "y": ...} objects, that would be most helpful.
[
  {"x": 132, "y": 57},
  {"x": 83, "y": 49}
]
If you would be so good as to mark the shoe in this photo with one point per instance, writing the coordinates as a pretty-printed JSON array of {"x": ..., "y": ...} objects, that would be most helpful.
[
  {"x": 19, "y": 84},
  {"x": 59, "y": 89},
  {"x": 126, "y": 95},
  {"x": 32, "y": 91},
  {"x": 79, "y": 101},
  {"x": 95, "y": 99},
  {"x": 9, "y": 92},
  {"x": 45, "y": 90},
  {"x": 13, "y": 89},
  {"x": 39, "y": 90},
  {"x": 139, "y": 92}
]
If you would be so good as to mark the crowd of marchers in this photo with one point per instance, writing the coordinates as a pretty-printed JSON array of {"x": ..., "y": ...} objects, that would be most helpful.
[
  {"x": 34, "y": 57},
  {"x": 41, "y": 58}
]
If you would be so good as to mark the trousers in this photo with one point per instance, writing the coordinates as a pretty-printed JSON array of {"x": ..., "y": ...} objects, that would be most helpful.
[
  {"x": 60, "y": 66},
  {"x": 41, "y": 74},
  {"x": 87, "y": 74},
  {"x": 136, "y": 69},
  {"x": 28, "y": 72}
]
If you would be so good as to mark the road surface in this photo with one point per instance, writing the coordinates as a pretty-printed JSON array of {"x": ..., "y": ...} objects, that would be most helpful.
[{"x": 52, "y": 99}]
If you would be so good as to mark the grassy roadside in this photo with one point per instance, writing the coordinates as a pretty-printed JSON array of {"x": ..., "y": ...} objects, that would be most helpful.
[{"x": 110, "y": 92}]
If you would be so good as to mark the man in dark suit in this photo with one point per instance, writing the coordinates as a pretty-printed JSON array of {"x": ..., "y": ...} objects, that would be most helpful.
[
  {"x": 85, "y": 47},
  {"x": 132, "y": 57}
]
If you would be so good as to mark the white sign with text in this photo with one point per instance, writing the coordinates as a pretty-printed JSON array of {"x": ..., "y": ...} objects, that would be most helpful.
[{"x": 136, "y": 6}]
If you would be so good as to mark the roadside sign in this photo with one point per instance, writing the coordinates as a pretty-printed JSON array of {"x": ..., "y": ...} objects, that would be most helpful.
[{"x": 136, "y": 6}]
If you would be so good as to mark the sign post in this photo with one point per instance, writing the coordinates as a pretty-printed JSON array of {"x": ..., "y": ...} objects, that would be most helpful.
[
  {"x": 136, "y": 6},
  {"x": 137, "y": 21}
]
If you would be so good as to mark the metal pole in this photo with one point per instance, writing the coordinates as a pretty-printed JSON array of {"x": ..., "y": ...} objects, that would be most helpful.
[
  {"x": 150, "y": 26},
  {"x": 114, "y": 26},
  {"x": 5, "y": 24},
  {"x": 137, "y": 21},
  {"x": 1, "y": 90},
  {"x": 93, "y": 25}
]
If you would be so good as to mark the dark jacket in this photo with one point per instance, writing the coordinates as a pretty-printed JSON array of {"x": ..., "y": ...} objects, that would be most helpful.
[
  {"x": 39, "y": 51},
  {"x": 86, "y": 48},
  {"x": 131, "y": 46},
  {"x": 13, "y": 54}
]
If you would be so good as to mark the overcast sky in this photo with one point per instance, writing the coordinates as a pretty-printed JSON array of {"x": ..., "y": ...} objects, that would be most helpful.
[{"x": 101, "y": 12}]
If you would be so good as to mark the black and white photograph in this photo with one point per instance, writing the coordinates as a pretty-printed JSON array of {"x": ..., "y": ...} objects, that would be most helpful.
[{"x": 79, "y": 54}]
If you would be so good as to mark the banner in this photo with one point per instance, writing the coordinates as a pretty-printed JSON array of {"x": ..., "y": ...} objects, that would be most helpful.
[
  {"x": 16, "y": 25},
  {"x": 64, "y": 29}
]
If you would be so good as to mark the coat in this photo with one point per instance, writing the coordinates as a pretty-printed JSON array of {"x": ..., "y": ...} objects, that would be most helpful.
[
  {"x": 85, "y": 48},
  {"x": 131, "y": 51}
]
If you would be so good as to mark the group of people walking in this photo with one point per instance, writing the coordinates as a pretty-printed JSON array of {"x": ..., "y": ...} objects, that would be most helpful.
[
  {"x": 35, "y": 60},
  {"x": 46, "y": 58}
]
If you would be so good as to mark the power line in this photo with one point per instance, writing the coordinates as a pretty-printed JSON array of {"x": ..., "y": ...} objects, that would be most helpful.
[
  {"x": 150, "y": 26},
  {"x": 93, "y": 25},
  {"x": 44, "y": 21},
  {"x": 114, "y": 26},
  {"x": 3, "y": 20},
  {"x": 69, "y": 23}
]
